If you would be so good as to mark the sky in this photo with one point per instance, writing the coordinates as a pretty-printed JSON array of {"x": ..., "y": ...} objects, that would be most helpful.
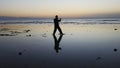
[{"x": 64, "y": 8}]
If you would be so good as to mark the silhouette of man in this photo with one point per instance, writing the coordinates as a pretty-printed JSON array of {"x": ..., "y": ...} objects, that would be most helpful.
[
  {"x": 56, "y": 25},
  {"x": 57, "y": 41}
]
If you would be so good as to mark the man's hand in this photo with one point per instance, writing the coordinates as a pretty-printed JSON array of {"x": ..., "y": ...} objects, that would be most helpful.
[{"x": 60, "y": 19}]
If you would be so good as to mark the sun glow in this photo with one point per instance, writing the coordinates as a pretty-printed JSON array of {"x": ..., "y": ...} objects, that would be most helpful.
[{"x": 64, "y": 8}]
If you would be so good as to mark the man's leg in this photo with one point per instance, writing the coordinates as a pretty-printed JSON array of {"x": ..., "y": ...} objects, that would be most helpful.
[
  {"x": 55, "y": 29},
  {"x": 60, "y": 30}
]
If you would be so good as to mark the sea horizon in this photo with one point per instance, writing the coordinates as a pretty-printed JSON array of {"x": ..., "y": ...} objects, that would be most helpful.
[{"x": 82, "y": 20}]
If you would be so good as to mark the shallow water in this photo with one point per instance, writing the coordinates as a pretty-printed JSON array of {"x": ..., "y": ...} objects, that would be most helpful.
[{"x": 82, "y": 46}]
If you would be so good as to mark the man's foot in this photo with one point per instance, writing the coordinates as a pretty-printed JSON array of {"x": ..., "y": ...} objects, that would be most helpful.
[
  {"x": 62, "y": 34},
  {"x": 53, "y": 33}
]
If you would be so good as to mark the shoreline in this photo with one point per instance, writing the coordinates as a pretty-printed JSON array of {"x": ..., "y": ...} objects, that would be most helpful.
[{"x": 60, "y": 23}]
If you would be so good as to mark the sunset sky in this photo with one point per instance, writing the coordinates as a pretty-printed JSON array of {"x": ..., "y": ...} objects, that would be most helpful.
[{"x": 64, "y": 8}]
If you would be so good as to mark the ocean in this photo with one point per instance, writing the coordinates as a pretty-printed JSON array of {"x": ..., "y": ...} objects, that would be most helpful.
[{"x": 64, "y": 20}]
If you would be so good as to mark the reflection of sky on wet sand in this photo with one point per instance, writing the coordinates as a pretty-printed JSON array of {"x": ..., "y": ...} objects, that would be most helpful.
[{"x": 86, "y": 46}]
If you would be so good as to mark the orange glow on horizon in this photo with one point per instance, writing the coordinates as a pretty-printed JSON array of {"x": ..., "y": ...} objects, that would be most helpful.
[{"x": 64, "y": 8}]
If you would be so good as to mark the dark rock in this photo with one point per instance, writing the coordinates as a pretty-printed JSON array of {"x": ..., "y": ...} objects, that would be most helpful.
[
  {"x": 115, "y": 49},
  {"x": 20, "y": 53},
  {"x": 7, "y": 35},
  {"x": 26, "y": 31},
  {"x": 98, "y": 58},
  {"x": 29, "y": 35},
  {"x": 115, "y": 29}
]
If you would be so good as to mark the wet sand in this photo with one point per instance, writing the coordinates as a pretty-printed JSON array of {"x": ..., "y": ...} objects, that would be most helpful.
[{"x": 82, "y": 46}]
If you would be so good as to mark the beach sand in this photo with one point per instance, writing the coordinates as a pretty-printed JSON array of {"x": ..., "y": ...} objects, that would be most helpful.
[{"x": 82, "y": 46}]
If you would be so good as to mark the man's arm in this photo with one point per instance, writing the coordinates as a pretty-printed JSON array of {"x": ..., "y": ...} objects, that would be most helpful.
[{"x": 59, "y": 19}]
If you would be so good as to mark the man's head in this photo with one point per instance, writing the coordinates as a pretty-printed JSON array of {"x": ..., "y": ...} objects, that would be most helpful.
[{"x": 56, "y": 16}]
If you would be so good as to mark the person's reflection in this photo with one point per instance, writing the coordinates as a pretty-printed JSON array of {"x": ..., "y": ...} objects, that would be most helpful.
[{"x": 57, "y": 42}]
